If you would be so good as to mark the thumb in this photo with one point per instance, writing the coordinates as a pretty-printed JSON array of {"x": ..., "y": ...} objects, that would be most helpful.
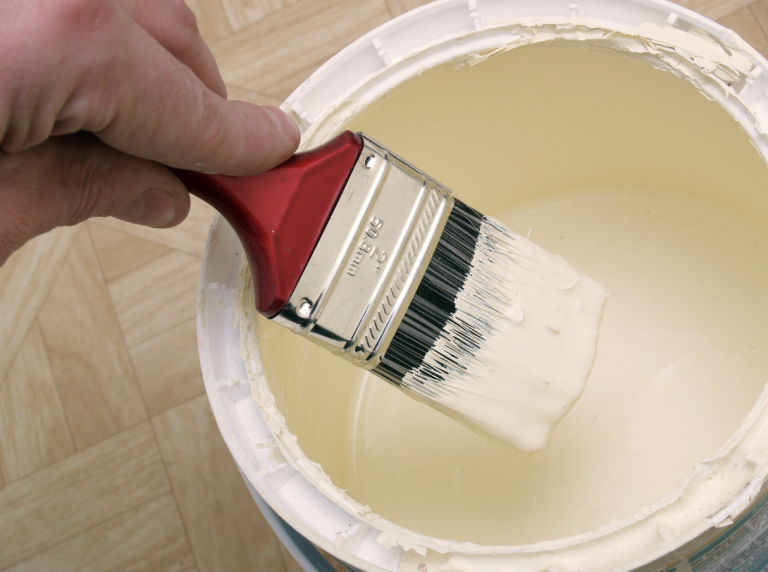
[
  {"x": 68, "y": 179},
  {"x": 155, "y": 208}
]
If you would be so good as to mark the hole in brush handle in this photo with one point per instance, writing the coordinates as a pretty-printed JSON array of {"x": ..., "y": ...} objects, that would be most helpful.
[{"x": 279, "y": 215}]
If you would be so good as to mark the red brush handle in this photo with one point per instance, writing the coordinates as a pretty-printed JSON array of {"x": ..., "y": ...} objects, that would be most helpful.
[{"x": 279, "y": 215}]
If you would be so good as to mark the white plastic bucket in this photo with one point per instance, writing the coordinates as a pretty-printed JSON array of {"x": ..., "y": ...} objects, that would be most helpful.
[{"x": 380, "y": 60}]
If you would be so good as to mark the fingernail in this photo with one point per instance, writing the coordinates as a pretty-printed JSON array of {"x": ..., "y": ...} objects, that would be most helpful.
[
  {"x": 284, "y": 123},
  {"x": 153, "y": 208}
]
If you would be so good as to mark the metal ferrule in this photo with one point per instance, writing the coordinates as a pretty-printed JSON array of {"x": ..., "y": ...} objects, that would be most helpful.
[{"x": 370, "y": 259}]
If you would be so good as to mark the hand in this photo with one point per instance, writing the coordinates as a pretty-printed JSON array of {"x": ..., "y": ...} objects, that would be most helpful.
[{"x": 97, "y": 96}]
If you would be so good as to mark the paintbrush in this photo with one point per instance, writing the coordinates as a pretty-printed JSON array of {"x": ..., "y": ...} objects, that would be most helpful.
[{"x": 362, "y": 253}]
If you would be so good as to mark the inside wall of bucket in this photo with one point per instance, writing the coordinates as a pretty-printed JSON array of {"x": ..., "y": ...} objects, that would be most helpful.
[{"x": 639, "y": 181}]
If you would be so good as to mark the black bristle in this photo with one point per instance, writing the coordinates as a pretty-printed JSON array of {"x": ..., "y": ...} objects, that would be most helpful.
[{"x": 435, "y": 300}]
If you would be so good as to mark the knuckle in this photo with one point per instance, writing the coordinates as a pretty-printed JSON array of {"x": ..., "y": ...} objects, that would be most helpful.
[
  {"x": 79, "y": 15},
  {"x": 206, "y": 125},
  {"x": 38, "y": 131},
  {"x": 210, "y": 108},
  {"x": 90, "y": 177},
  {"x": 22, "y": 125},
  {"x": 213, "y": 127},
  {"x": 184, "y": 41},
  {"x": 16, "y": 139},
  {"x": 184, "y": 16},
  {"x": 188, "y": 43}
]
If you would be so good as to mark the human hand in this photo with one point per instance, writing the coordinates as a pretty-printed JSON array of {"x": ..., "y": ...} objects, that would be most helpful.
[{"x": 97, "y": 96}]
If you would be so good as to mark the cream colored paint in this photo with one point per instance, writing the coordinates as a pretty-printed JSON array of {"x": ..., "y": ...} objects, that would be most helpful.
[
  {"x": 538, "y": 322},
  {"x": 642, "y": 183},
  {"x": 663, "y": 393}
]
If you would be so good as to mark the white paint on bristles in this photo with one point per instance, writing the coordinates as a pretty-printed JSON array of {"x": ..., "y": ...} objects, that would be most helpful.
[{"x": 516, "y": 354}]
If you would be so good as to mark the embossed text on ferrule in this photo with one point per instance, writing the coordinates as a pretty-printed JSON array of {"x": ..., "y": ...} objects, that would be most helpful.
[{"x": 368, "y": 248}]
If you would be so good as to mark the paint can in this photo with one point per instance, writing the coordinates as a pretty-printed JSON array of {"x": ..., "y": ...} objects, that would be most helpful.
[{"x": 448, "y": 33}]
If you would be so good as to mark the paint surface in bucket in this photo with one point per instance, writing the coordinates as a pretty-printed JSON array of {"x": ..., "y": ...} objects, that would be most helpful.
[{"x": 611, "y": 155}]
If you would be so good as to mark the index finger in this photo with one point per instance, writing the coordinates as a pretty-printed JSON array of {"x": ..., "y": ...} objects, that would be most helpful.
[
  {"x": 174, "y": 26},
  {"x": 162, "y": 111}
]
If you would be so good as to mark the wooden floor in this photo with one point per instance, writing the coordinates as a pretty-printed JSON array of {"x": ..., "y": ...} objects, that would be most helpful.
[{"x": 109, "y": 455}]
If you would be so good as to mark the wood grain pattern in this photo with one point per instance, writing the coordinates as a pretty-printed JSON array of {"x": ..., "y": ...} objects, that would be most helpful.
[
  {"x": 240, "y": 13},
  {"x": 188, "y": 237},
  {"x": 211, "y": 19},
  {"x": 715, "y": 9},
  {"x": 167, "y": 368},
  {"x": 25, "y": 280},
  {"x": 156, "y": 297},
  {"x": 119, "y": 253},
  {"x": 90, "y": 362},
  {"x": 225, "y": 528},
  {"x": 273, "y": 56},
  {"x": 289, "y": 561},
  {"x": 33, "y": 428},
  {"x": 82, "y": 491},
  {"x": 744, "y": 23},
  {"x": 148, "y": 538},
  {"x": 397, "y": 7},
  {"x": 292, "y": 566},
  {"x": 760, "y": 13}
]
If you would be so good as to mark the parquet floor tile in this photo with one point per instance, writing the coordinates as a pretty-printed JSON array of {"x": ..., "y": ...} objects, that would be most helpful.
[
  {"x": 168, "y": 368},
  {"x": 82, "y": 491},
  {"x": 240, "y": 13},
  {"x": 33, "y": 427},
  {"x": 156, "y": 296},
  {"x": 715, "y": 9},
  {"x": 760, "y": 12},
  {"x": 211, "y": 19},
  {"x": 119, "y": 253},
  {"x": 87, "y": 351},
  {"x": 188, "y": 237},
  {"x": 148, "y": 538},
  {"x": 274, "y": 55},
  {"x": 744, "y": 23},
  {"x": 25, "y": 280},
  {"x": 225, "y": 531}
]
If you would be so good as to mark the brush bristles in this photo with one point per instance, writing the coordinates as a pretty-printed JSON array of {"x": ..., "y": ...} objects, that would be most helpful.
[
  {"x": 434, "y": 305},
  {"x": 500, "y": 334}
]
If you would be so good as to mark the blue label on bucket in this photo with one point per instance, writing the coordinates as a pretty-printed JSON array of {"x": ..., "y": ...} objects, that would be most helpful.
[{"x": 742, "y": 547}]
